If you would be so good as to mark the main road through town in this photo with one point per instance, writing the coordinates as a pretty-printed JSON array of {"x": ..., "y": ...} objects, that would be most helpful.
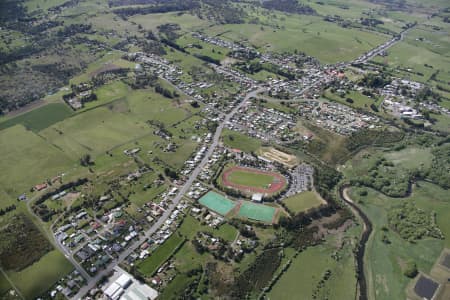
[{"x": 92, "y": 282}]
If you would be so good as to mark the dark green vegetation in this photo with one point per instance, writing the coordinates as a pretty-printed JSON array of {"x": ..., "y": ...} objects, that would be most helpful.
[
  {"x": 239, "y": 141},
  {"x": 22, "y": 244},
  {"x": 412, "y": 223},
  {"x": 389, "y": 257},
  {"x": 150, "y": 265},
  {"x": 45, "y": 45},
  {"x": 40, "y": 118},
  {"x": 42, "y": 56},
  {"x": 258, "y": 274}
]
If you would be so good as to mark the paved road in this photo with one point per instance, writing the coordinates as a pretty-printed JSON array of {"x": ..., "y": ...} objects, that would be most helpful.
[
  {"x": 92, "y": 282},
  {"x": 56, "y": 243},
  {"x": 381, "y": 48}
]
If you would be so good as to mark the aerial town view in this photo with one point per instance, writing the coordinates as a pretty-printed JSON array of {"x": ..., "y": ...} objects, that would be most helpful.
[{"x": 225, "y": 149}]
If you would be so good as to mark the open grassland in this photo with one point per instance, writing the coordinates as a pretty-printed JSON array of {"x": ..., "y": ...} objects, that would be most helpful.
[
  {"x": 326, "y": 41},
  {"x": 108, "y": 93},
  {"x": 240, "y": 141},
  {"x": 109, "y": 60},
  {"x": 442, "y": 122},
  {"x": 103, "y": 128},
  {"x": 151, "y": 264},
  {"x": 28, "y": 160},
  {"x": 39, "y": 277},
  {"x": 176, "y": 288},
  {"x": 411, "y": 157},
  {"x": 428, "y": 59},
  {"x": 187, "y": 21},
  {"x": 358, "y": 100},
  {"x": 191, "y": 226},
  {"x": 303, "y": 201},
  {"x": 94, "y": 132},
  {"x": 386, "y": 261},
  {"x": 40, "y": 118},
  {"x": 304, "y": 276},
  {"x": 4, "y": 285},
  {"x": 33, "y": 5}
]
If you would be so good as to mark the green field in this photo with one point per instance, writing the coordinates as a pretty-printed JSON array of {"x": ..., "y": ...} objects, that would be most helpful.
[
  {"x": 249, "y": 178},
  {"x": 257, "y": 212},
  {"x": 176, "y": 288},
  {"x": 217, "y": 203},
  {"x": 427, "y": 46},
  {"x": 94, "y": 132},
  {"x": 326, "y": 41},
  {"x": 39, "y": 277},
  {"x": 40, "y": 118},
  {"x": 240, "y": 141},
  {"x": 359, "y": 100},
  {"x": 385, "y": 261},
  {"x": 4, "y": 285},
  {"x": 151, "y": 264},
  {"x": 191, "y": 226},
  {"x": 28, "y": 160},
  {"x": 303, "y": 201},
  {"x": 411, "y": 157},
  {"x": 303, "y": 277}
]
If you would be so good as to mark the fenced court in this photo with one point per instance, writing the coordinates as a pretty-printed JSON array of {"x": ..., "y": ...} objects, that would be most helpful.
[
  {"x": 257, "y": 212},
  {"x": 217, "y": 203}
]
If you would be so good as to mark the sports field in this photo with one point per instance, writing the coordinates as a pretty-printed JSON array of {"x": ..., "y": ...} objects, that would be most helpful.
[
  {"x": 244, "y": 177},
  {"x": 217, "y": 203},
  {"x": 257, "y": 212},
  {"x": 251, "y": 180}
]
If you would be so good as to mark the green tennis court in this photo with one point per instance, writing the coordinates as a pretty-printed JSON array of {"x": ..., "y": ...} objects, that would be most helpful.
[
  {"x": 257, "y": 212},
  {"x": 217, "y": 203}
]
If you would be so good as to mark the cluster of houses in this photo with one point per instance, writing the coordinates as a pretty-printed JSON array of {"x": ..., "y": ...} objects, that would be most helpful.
[
  {"x": 81, "y": 94},
  {"x": 222, "y": 43},
  {"x": 197, "y": 190},
  {"x": 212, "y": 165},
  {"x": 263, "y": 123},
  {"x": 191, "y": 163},
  {"x": 68, "y": 285},
  {"x": 336, "y": 117},
  {"x": 210, "y": 218},
  {"x": 398, "y": 98}
]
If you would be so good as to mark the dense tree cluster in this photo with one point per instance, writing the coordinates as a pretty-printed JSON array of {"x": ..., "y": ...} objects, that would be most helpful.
[
  {"x": 412, "y": 223},
  {"x": 290, "y": 6},
  {"x": 157, "y": 7},
  {"x": 258, "y": 274},
  {"x": 22, "y": 244}
]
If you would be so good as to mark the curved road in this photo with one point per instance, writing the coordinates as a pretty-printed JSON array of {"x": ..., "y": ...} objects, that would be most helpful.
[{"x": 367, "y": 230}]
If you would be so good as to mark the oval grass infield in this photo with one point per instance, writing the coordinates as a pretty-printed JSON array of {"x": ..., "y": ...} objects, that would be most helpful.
[{"x": 250, "y": 180}]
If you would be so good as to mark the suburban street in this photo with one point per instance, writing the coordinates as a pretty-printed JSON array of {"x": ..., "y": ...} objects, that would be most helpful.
[{"x": 92, "y": 281}]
